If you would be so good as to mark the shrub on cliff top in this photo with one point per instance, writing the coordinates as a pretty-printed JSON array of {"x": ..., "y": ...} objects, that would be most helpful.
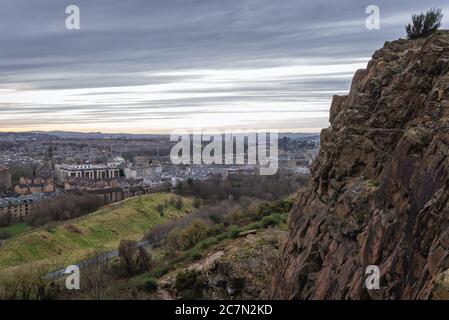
[{"x": 424, "y": 24}]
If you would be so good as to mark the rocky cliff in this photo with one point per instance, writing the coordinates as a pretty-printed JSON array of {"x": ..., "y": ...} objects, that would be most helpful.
[{"x": 379, "y": 189}]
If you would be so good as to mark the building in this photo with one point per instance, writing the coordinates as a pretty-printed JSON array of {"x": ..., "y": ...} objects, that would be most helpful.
[
  {"x": 26, "y": 189},
  {"x": 152, "y": 182},
  {"x": 142, "y": 172},
  {"x": 90, "y": 171},
  {"x": 5, "y": 178},
  {"x": 117, "y": 194},
  {"x": 109, "y": 195},
  {"x": 30, "y": 185},
  {"x": 19, "y": 207},
  {"x": 142, "y": 161},
  {"x": 85, "y": 184},
  {"x": 37, "y": 180}
]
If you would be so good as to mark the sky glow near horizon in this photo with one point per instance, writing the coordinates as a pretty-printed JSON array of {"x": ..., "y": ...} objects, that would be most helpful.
[{"x": 156, "y": 66}]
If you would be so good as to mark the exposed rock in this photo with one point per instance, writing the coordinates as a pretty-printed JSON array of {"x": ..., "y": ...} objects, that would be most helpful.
[{"x": 379, "y": 189}]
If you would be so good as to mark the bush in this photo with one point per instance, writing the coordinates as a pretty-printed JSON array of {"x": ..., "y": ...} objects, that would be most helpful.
[
  {"x": 233, "y": 232},
  {"x": 424, "y": 24},
  {"x": 160, "y": 271},
  {"x": 222, "y": 236},
  {"x": 196, "y": 255},
  {"x": 189, "y": 285},
  {"x": 238, "y": 186},
  {"x": 50, "y": 227},
  {"x": 179, "y": 203},
  {"x": 183, "y": 239},
  {"x": 134, "y": 259},
  {"x": 254, "y": 226},
  {"x": 67, "y": 206},
  {"x": 215, "y": 218},
  {"x": 4, "y": 235},
  {"x": 196, "y": 202},
  {"x": 271, "y": 221},
  {"x": 27, "y": 283},
  {"x": 150, "y": 285},
  {"x": 160, "y": 208},
  {"x": 173, "y": 240},
  {"x": 280, "y": 206},
  {"x": 207, "y": 243},
  {"x": 6, "y": 220}
]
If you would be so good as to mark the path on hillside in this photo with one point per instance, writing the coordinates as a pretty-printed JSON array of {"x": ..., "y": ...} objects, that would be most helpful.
[{"x": 106, "y": 257}]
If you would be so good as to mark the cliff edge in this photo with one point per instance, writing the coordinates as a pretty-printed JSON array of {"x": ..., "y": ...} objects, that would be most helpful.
[{"x": 379, "y": 189}]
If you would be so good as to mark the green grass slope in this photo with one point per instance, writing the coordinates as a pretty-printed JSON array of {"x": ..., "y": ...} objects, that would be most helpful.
[
  {"x": 72, "y": 240},
  {"x": 15, "y": 228}
]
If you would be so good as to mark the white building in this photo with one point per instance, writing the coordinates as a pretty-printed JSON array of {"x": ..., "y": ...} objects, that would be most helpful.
[
  {"x": 142, "y": 172},
  {"x": 90, "y": 171},
  {"x": 150, "y": 182}
]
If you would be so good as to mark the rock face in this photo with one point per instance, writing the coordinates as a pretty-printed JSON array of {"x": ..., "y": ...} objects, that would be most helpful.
[{"x": 379, "y": 189}]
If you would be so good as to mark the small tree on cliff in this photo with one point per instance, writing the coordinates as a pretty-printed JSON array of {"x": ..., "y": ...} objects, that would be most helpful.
[{"x": 424, "y": 24}]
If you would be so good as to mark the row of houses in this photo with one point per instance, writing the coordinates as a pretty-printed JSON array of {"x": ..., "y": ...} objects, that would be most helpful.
[
  {"x": 83, "y": 184},
  {"x": 102, "y": 180},
  {"x": 29, "y": 185},
  {"x": 19, "y": 207},
  {"x": 109, "y": 190},
  {"x": 118, "y": 194}
]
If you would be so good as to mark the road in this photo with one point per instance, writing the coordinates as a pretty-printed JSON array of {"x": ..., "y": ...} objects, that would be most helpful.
[{"x": 55, "y": 275}]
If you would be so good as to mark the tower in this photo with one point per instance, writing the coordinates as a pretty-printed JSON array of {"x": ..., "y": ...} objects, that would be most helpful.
[{"x": 48, "y": 158}]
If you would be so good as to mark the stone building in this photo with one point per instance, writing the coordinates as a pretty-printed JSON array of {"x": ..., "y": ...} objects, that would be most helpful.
[
  {"x": 37, "y": 180},
  {"x": 117, "y": 194},
  {"x": 84, "y": 184},
  {"x": 26, "y": 189}
]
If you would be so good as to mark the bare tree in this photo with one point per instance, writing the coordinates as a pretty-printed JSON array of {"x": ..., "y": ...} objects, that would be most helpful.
[
  {"x": 127, "y": 251},
  {"x": 25, "y": 283},
  {"x": 143, "y": 260},
  {"x": 93, "y": 274}
]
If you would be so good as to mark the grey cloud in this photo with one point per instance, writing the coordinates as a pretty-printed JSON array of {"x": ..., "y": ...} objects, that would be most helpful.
[{"x": 127, "y": 43}]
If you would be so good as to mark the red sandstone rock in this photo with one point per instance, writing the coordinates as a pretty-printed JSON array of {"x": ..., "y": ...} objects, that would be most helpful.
[{"x": 379, "y": 189}]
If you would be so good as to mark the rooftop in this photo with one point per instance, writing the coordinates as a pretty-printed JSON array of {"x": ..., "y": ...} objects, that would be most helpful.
[{"x": 73, "y": 167}]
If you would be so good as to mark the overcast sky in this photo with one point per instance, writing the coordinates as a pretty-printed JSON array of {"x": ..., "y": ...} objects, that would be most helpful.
[{"x": 154, "y": 66}]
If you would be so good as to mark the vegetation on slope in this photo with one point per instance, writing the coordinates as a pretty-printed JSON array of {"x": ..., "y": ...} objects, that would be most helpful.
[
  {"x": 242, "y": 245},
  {"x": 424, "y": 24},
  {"x": 70, "y": 241}
]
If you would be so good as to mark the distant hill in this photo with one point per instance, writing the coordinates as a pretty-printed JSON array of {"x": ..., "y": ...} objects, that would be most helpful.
[{"x": 100, "y": 135}]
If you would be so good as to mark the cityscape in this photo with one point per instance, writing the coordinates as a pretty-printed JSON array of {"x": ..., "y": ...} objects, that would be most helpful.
[{"x": 38, "y": 166}]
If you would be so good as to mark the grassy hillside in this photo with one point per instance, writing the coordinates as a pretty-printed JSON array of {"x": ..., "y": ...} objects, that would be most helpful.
[
  {"x": 71, "y": 240},
  {"x": 15, "y": 228}
]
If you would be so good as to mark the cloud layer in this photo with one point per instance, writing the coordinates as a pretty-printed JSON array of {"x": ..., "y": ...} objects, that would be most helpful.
[{"x": 155, "y": 66}]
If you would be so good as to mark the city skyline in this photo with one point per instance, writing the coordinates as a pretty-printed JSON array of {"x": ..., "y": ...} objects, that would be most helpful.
[{"x": 153, "y": 67}]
